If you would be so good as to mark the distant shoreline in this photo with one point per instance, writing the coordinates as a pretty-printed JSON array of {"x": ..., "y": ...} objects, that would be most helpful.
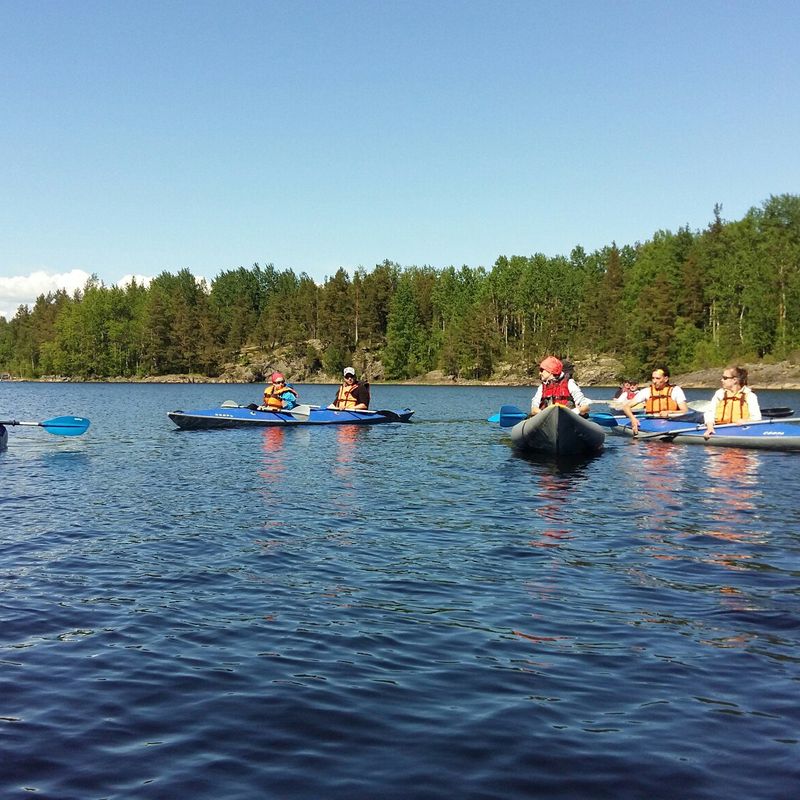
[{"x": 766, "y": 377}]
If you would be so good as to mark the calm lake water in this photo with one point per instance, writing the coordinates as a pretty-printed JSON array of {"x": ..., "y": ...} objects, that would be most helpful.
[{"x": 404, "y": 611}]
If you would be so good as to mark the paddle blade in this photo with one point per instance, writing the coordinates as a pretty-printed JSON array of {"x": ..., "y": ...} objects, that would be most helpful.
[
  {"x": 301, "y": 412},
  {"x": 510, "y": 416},
  {"x": 66, "y": 426},
  {"x": 777, "y": 412},
  {"x": 604, "y": 419}
]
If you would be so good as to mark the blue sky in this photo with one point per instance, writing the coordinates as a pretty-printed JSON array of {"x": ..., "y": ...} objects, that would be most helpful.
[{"x": 138, "y": 137}]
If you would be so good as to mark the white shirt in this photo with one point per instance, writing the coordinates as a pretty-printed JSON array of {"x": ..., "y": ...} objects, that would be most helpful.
[
  {"x": 752, "y": 405},
  {"x": 644, "y": 394}
]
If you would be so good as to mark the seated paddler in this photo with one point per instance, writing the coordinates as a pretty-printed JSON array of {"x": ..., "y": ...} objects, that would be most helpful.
[
  {"x": 352, "y": 394},
  {"x": 661, "y": 399},
  {"x": 278, "y": 395},
  {"x": 734, "y": 402},
  {"x": 557, "y": 388}
]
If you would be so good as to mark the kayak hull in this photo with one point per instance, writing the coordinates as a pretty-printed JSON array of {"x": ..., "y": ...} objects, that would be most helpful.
[
  {"x": 246, "y": 418},
  {"x": 766, "y": 434},
  {"x": 3, "y": 438},
  {"x": 558, "y": 431}
]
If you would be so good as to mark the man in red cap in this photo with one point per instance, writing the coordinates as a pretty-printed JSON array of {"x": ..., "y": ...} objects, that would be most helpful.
[{"x": 557, "y": 389}]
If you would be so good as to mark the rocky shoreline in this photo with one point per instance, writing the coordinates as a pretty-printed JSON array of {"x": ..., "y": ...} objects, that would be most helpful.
[{"x": 590, "y": 373}]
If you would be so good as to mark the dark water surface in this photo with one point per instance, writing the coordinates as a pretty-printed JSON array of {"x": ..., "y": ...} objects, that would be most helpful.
[{"x": 404, "y": 611}]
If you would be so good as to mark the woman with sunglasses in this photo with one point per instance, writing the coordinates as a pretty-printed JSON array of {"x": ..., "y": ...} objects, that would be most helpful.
[
  {"x": 278, "y": 395},
  {"x": 735, "y": 401}
]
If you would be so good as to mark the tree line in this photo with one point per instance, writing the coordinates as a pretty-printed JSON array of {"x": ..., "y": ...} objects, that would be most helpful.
[{"x": 689, "y": 299}]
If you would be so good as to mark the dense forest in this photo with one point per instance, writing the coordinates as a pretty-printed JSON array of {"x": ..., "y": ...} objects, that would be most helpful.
[{"x": 688, "y": 299}]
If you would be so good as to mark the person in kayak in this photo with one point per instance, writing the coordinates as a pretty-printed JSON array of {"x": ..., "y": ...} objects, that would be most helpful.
[
  {"x": 734, "y": 402},
  {"x": 660, "y": 398},
  {"x": 278, "y": 396},
  {"x": 624, "y": 391},
  {"x": 557, "y": 388},
  {"x": 352, "y": 395}
]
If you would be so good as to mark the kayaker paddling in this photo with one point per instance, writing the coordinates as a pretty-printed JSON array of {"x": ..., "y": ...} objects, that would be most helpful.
[{"x": 660, "y": 398}]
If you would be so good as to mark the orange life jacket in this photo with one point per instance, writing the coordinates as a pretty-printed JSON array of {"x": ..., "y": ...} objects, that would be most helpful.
[
  {"x": 556, "y": 393},
  {"x": 732, "y": 408},
  {"x": 344, "y": 397},
  {"x": 272, "y": 394},
  {"x": 660, "y": 400}
]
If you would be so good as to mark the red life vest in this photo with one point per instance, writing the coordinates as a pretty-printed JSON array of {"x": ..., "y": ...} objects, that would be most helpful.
[
  {"x": 556, "y": 393},
  {"x": 732, "y": 408},
  {"x": 660, "y": 400}
]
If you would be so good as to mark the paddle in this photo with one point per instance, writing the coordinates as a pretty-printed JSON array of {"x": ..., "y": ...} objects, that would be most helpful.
[
  {"x": 303, "y": 412},
  {"x": 605, "y": 419},
  {"x": 777, "y": 412},
  {"x": 509, "y": 416},
  {"x": 60, "y": 426},
  {"x": 669, "y": 435}
]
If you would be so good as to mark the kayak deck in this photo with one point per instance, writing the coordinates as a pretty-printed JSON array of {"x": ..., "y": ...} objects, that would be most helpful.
[
  {"x": 764, "y": 434},
  {"x": 244, "y": 417},
  {"x": 558, "y": 431}
]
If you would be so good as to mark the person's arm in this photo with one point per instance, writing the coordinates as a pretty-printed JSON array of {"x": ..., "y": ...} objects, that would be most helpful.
[
  {"x": 752, "y": 405},
  {"x": 361, "y": 396},
  {"x": 535, "y": 400},
  {"x": 578, "y": 397},
  {"x": 711, "y": 414},
  {"x": 680, "y": 398},
  {"x": 627, "y": 408}
]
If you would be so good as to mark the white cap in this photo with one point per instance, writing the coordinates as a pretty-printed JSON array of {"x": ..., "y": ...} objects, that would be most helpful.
[{"x": 349, "y": 371}]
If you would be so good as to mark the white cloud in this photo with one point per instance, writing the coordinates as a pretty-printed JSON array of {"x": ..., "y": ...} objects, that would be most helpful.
[
  {"x": 20, "y": 290},
  {"x": 24, "y": 289},
  {"x": 141, "y": 280}
]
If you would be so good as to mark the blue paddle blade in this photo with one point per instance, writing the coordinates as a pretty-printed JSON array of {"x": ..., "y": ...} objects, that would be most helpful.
[
  {"x": 493, "y": 418},
  {"x": 510, "y": 416},
  {"x": 66, "y": 426},
  {"x": 605, "y": 419}
]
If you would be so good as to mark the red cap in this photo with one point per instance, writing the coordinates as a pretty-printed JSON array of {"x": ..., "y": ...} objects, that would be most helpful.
[
  {"x": 275, "y": 377},
  {"x": 552, "y": 364}
]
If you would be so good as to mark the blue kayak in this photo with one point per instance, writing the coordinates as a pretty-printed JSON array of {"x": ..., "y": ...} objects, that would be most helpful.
[
  {"x": 230, "y": 415},
  {"x": 764, "y": 434}
]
